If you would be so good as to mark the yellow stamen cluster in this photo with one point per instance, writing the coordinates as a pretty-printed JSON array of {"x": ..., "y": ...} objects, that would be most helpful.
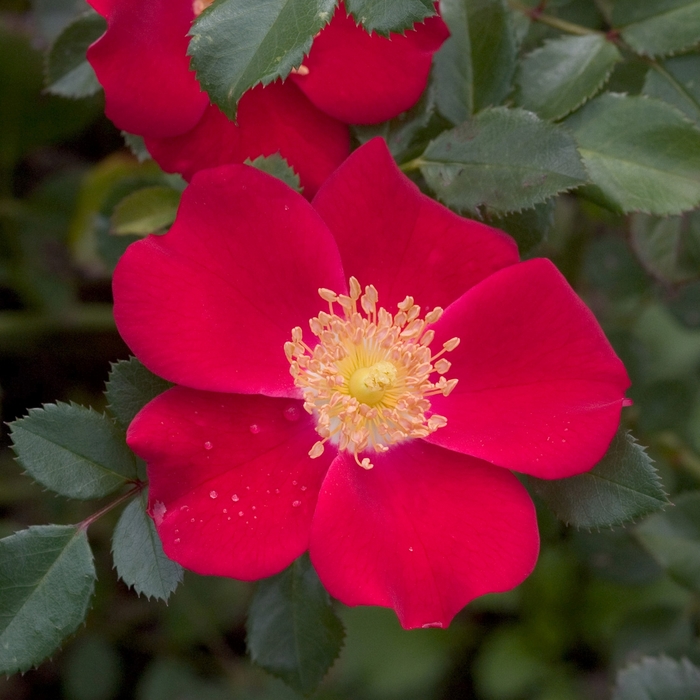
[{"x": 368, "y": 380}]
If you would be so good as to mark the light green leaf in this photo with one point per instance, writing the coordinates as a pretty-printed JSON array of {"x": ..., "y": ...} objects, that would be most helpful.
[
  {"x": 73, "y": 451},
  {"x": 278, "y": 167},
  {"x": 641, "y": 154},
  {"x": 293, "y": 632},
  {"x": 503, "y": 159},
  {"x": 68, "y": 74},
  {"x": 673, "y": 539},
  {"x": 47, "y": 577},
  {"x": 474, "y": 68},
  {"x": 130, "y": 387},
  {"x": 138, "y": 553},
  {"x": 677, "y": 81},
  {"x": 385, "y": 16},
  {"x": 658, "y": 27},
  {"x": 668, "y": 247},
  {"x": 147, "y": 210},
  {"x": 237, "y": 44},
  {"x": 658, "y": 679},
  {"x": 137, "y": 146},
  {"x": 623, "y": 486},
  {"x": 560, "y": 76}
]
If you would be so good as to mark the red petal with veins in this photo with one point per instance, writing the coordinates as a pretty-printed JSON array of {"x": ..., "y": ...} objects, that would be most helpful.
[
  {"x": 540, "y": 388},
  {"x": 232, "y": 489},
  {"x": 364, "y": 79},
  {"x": 272, "y": 119},
  {"x": 142, "y": 63},
  {"x": 211, "y": 303},
  {"x": 423, "y": 532},
  {"x": 398, "y": 239}
]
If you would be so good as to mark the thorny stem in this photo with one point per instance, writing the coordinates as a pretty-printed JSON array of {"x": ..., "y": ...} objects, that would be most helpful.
[
  {"x": 538, "y": 15},
  {"x": 137, "y": 488}
]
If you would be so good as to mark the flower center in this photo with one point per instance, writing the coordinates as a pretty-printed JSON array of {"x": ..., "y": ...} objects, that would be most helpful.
[{"x": 368, "y": 379}]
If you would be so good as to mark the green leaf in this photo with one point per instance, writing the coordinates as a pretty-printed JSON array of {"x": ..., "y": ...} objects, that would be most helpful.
[
  {"x": 673, "y": 539},
  {"x": 385, "y": 16},
  {"x": 292, "y": 630},
  {"x": 563, "y": 74},
  {"x": 138, "y": 554},
  {"x": 474, "y": 68},
  {"x": 623, "y": 486},
  {"x": 658, "y": 679},
  {"x": 676, "y": 82},
  {"x": 503, "y": 159},
  {"x": 68, "y": 74},
  {"x": 668, "y": 247},
  {"x": 641, "y": 154},
  {"x": 129, "y": 388},
  {"x": 52, "y": 16},
  {"x": 47, "y": 577},
  {"x": 278, "y": 167},
  {"x": 658, "y": 27},
  {"x": 137, "y": 146},
  {"x": 237, "y": 44},
  {"x": 149, "y": 210},
  {"x": 528, "y": 227},
  {"x": 73, "y": 451}
]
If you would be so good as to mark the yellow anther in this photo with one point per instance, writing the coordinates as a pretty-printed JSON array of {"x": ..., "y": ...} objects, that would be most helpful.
[{"x": 328, "y": 295}]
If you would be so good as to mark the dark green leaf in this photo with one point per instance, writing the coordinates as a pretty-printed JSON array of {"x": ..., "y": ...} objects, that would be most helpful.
[
  {"x": 277, "y": 166},
  {"x": 503, "y": 159},
  {"x": 46, "y": 580},
  {"x": 658, "y": 27},
  {"x": 73, "y": 451},
  {"x": 138, "y": 554},
  {"x": 148, "y": 210},
  {"x": 171, "y": 679},
  {"x": 292, "y": 630},
  {"x": 668, "y": 247},
  {"x": 673, "y": 538},
  {"x": 52, "y": 16},
  {"x": 641, "y": 154},
  {"x": 559, "y": 77},
  {"x": 676, "y": 82},
  {"x": 474, "y": 68},
  {"x": 129, "y": 388},
  {"x": 658, "y": 679},
  {"x": 384, "y": 16},
  {"x": 623, "y": 486},
  {"x": 237, "y": 44},
  {"x": 68, "y": 73},
  {"x": 529, "y": 227}
]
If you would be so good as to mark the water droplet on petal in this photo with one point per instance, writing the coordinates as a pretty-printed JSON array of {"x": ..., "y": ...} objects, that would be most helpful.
[
  {"x": 177, "y": 540},
  {"x": 225, "y": 511},
  {"x": 240, "y": 512},
  {"x": 234, "y": 498},
  {"x": 410, "y": 549},
  {"x": 277, "y": 490},
  {"x": 208, "y": 445},
  {"x": 292, "y": 413},
  {"x": 255, "y": 429},
  {"x": 192, "y": 520},
  {"x": 303, "y": 488},
  {"x": 213, "y": 494},
  {"x": 159, "y": 511},
  {"x": 294, "y": 483},
  {"x": 428, "y": 625},
  {"x": 296, "y": 504}
]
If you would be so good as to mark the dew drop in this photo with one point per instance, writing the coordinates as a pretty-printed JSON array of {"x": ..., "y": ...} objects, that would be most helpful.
[
  {"x": 410, "y": 549},
  {"x": 225, "y": 511},
  {"x": 208, "y": 445},
  {"x": 192, "y": 520},
  {"x": 296, "y": 504},
  {"x": 234, "y": 498},
  {"x": 294, "y": 483},
  {"x": 277, "y": 490},
  {"x": 240, "y": 512},
  {"x": 213, "y": 494},
  {"x": 255, "y": 429},
  {"x": 291, "y": 413},
  {"x": 229, "y": 518},
  {"x": 184, "y": 508},
  {"x": 177, "y": 540},
  {"x": 159, "y": 511},
  {"x": 303, "y": 488},
  {"x": 253, "y": 507}
]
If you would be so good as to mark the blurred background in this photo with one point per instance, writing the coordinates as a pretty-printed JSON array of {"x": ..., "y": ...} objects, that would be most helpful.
[{"x": 596, "y": 601}]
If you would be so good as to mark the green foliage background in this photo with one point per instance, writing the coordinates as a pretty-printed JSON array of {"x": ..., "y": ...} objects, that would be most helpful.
[{"x": 72, "y": 197}]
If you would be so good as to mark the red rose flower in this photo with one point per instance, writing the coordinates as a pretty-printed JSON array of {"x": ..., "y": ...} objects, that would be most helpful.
[
  {"x": 373, "y": 426},
  {"x": 349, "y": 77}
]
